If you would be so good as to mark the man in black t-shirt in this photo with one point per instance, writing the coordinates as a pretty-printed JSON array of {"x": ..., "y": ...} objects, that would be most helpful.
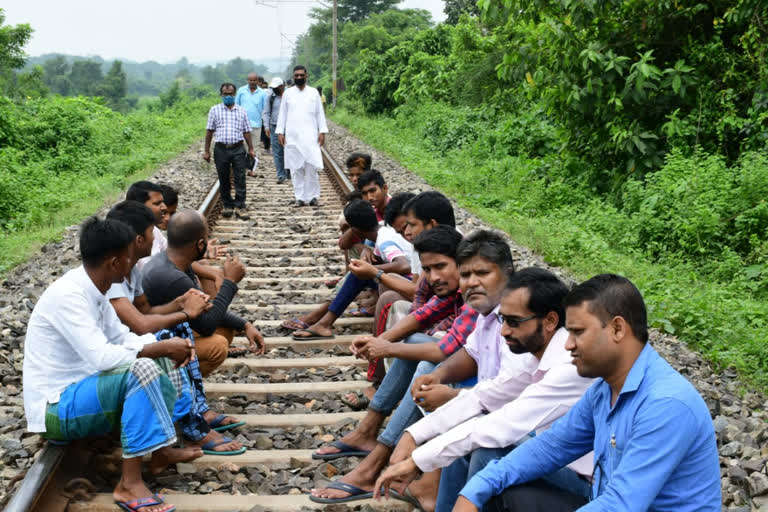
[{"x": 169, "y": 275}]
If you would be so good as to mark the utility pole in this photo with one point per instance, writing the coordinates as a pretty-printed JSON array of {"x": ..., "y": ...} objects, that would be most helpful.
[{"x": 334, "y": 55}]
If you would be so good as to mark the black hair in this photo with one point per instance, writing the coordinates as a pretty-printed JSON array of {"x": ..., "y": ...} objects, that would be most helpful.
[
  {"x": 355, "y": 194},
  {"x": 185, "y": 228},
  {"x": 362, "y": 160},
  {"x": 609, "y": 296},
  {"x": 441, "y": 239},
  {"x": 140, "y": 190},
  {"x": 360, "y": 215},
  {"x": 370, "y": 176},
  {"x": 137, "y": 215},
  {"x": 546, "y": 290},
  {"x": 100, "y": 239},
  {"x": 227, "y": 84},
  {"x": 488, "y": 244},
  {"x": 298, "y": 67},
  {"x": 259, "y": 78},
  {"x": 431, "y": 205},
  {"x": 170, "y": 195},
  {"x": 319, "y": 90},
  {"x": 395, "y": 205}
]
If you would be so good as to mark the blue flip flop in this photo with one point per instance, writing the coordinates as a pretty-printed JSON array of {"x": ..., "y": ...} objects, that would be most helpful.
[
  {"x": 208, "y": 448},
  {"x": 355, "y": 494},
  {"x": 345, "y": 450},
  {"x": 137, "y": 505},
  {"x": 218, "y": 427}
]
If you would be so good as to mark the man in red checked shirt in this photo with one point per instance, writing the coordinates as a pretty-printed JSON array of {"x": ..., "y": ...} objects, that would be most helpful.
[{"x": 484, "y": 263}]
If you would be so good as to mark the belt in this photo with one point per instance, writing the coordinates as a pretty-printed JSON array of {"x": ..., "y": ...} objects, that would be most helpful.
[{"x": 229, "y": 146}]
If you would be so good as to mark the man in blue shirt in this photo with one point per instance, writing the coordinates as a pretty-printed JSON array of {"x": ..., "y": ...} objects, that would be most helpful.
[
  {"x": 650, "y": 430},
  {"x": 251, "y": 97}
]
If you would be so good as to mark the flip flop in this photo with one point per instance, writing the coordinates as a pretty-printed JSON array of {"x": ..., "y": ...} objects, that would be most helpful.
[
  {"x": 314, "y": 336},
  {"x": 362, "y": 312},
  {"x": 137, "y": 505},
  {"x": 345, "y": 450},
  {"x": 331, "y": 283},
  {"x": 218, "y": 427},
  {"x": 362, "y": 402},
  {"x": 408, "y": 497},
  {"x": 356, "y": 494},
  {"x": 208, "y": 448},
  {"x": 236, "y": 351},
  {"x": 296, "y": 321}
]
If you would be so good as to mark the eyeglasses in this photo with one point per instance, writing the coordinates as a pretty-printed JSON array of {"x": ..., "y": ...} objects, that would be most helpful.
[{"x": 514, "y": 321}]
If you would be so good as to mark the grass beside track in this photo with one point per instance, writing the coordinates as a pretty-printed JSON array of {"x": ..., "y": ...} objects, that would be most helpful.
[
  {"x": 720, "y": 320},
  {"x": 64, "y": 199}
]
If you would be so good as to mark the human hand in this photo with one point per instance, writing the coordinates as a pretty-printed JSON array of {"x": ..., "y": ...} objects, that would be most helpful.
[
  {"x": 195, "y": 304},
  {"x": 266, "y": 132},
  {"x": 321, "y": 138},
  {"x": 376, "y": 348},
  {"x": 207, "y": 156},
  {"x": 464, "y": 505},
  {"x": 432, "y": 396},
  {"x": 234, "y": 270},
  {"x": 252, "y": 152},
  {"x": 215, "y": 249},
  {"x": 404, "y": 448},
  {"x": 423, "y": 380},
  {"x": 281, "y": 139},
  {"x": 179, "y": 350},
  {"x": 403, "y": 472},
  {"x": 367, "y": 256},
  {"x": 255, "y": 339},
  {"x": 357, "y": 344},
  {"x": 362, "y": 269}
]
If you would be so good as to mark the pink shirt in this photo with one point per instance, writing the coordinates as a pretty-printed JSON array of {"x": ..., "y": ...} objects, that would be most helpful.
[
  {"x": 527, "y": 395},
  {"x": 486, "y": 346}
]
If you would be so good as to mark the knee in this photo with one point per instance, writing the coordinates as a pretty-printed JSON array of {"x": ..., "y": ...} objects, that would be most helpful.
[{"x": 217, "y": 350}]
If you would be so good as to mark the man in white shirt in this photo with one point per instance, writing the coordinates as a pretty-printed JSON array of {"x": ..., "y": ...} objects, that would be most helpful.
[
  {"x": 86, "y": 374},
  {"x": 535, "y": 384},
  {"x": 301, "y": 130}
]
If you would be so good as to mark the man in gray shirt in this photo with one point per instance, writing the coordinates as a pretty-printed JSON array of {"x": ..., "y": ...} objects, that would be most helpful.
[{"x": 269, "y": 118}]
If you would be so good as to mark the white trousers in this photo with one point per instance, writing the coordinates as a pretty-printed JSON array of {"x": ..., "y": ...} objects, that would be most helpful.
[
  {"x": 306, "y": 184},
  {"x": 256, "y": 140}
]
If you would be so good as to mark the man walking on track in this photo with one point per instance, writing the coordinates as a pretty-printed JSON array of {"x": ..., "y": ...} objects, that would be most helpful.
[
  {"x": 301, "y": 131},
  {"x": 269, "y": 117},
  {"x": 229, "y": 122},
  {"x": 251, "y": 97}
]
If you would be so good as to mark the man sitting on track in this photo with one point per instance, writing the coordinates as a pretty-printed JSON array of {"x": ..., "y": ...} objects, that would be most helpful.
[
  {"x": 151, "y": 195},
  {"x": 169, "y": 275},
  {"x": 390, "y": 248},
  {"x": 86, "y": 374},
  {"x": 651, "y": 432},
  {"x": 167, "y": 320},
  {"x": 485, "y": 262},
  {"x": 525, "y": 384}
]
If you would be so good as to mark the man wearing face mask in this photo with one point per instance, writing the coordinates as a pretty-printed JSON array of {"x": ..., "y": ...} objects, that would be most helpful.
[
  {"x": 169, "y": 275},
  {"x": 301, "y": 131},
  {"x": 230, "y": 125},
  {"x": 269, "y": 117}
]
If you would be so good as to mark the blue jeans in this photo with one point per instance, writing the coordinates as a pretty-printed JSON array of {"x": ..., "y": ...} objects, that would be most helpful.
[
  {"x": 396, "y": 388},
  {"x": 277, "y": 155},
  {"x": 352, "y": 286},
  {"x": 454, "y": 477}
]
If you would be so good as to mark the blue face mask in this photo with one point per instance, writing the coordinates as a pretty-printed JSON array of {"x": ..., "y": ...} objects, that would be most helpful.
[{"x": 228, "y": 100}]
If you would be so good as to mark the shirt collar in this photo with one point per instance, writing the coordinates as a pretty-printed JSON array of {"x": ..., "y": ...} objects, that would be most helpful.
[
  {"x": 555, "y": 352},
  {"x": 87, "y": 283},
  {"x": 638, "y": 371}
]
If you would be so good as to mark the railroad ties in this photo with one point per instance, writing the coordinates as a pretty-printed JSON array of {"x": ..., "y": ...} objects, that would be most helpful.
[{"x": 289, "y": 253}]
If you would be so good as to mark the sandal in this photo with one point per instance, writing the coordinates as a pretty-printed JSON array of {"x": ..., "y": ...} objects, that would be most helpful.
[
  {"x": 361, "y": 312},
  {"x": 294, "y": 324},
  {"x": 208, "y": 448},
  {"x": 359, "y": 404},
  {"x": 236, "y": 351}
]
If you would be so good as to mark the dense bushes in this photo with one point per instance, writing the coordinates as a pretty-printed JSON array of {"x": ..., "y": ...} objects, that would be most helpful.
[{"x": 57, "y": 151}]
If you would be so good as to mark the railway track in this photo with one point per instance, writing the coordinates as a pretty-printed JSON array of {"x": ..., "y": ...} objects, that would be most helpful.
[{"x": 287, "y": 397}]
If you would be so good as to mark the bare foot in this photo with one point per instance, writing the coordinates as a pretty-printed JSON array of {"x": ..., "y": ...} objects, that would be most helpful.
[
  {"x": 134, "y": 492},
  {"x": 368, "y": 392},
  {"x": 425, "y": 490},
  {"x": 216, "y": 437},
  {"x": 166, "y": 456},
  {"x": 354, "y": 439},
  {"x": 355, "y": 477}
]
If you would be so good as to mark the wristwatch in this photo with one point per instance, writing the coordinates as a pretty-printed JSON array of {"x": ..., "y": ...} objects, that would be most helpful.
[{"x": 378, "y": 276}]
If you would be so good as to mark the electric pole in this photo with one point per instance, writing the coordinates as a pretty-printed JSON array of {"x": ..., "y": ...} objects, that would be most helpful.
[{"x": 334, "y": 55}]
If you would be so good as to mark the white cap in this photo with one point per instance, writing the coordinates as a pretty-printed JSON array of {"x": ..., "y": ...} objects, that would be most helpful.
[{"x": 276, "y": 82}]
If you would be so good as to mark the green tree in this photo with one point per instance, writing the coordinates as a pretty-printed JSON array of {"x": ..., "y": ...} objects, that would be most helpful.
[
  {"x": 455, "y": 8},
  {"x": 358, "y": 10},
  {"x": 56, "y": 75},
  {"x": 86, "y": 77},
  {"x": 113, "y": 87},
  {"x": 12, "y": 41}
]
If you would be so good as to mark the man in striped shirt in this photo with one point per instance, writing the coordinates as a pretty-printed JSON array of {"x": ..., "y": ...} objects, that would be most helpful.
[{"x": 229, "y": 124}]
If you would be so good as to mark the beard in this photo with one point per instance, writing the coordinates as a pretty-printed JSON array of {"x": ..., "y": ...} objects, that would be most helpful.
[{"x": 527, "y": 344}]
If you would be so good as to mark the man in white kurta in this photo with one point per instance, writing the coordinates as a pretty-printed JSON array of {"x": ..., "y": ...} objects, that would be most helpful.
[{"x": 301, "y": 130}]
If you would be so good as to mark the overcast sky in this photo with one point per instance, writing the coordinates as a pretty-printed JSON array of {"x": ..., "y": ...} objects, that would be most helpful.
[{"x": 166, "y": 30}]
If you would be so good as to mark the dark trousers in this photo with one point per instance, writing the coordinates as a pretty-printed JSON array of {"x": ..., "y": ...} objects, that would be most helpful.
[
  {"x": 264, "y": 139},
  {"x": 234, "y": 159},
  {"x": 535, "y": 496}
]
